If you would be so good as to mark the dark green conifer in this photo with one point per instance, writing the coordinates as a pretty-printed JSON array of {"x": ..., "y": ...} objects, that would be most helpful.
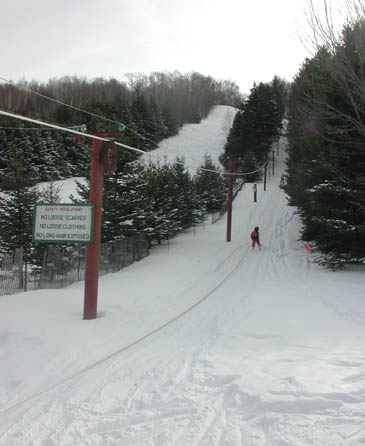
[{"x": 19, "y": 195}]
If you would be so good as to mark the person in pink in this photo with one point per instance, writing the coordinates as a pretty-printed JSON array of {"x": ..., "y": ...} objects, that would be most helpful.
[{"x": 255, "y": 237}]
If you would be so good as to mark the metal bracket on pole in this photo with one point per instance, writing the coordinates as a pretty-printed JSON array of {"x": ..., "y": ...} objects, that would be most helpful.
[{"x": 78, "y": 137}]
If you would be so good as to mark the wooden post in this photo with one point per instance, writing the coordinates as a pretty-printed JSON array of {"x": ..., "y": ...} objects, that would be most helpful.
[
  {"x": 254, "y": 187},
  {"x": 103, "y": 159},
  {"x": 229, "y": 204},
  {"x": 93, "y": 250}
]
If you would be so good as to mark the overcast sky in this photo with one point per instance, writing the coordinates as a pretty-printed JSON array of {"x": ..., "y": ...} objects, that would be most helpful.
[{"x": 244, "y": 41}]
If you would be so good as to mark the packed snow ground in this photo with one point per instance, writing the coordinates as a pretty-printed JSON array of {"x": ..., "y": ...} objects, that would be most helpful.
[{"x": 203, "y": 343}]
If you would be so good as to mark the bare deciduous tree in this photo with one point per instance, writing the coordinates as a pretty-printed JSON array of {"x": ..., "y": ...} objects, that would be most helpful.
[{"x": 340, "y": 53}]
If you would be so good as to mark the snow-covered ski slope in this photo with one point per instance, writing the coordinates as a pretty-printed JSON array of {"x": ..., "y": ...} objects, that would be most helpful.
[
  {"x": 196, "y": 140},
  {"x": 204, "y": 343}
]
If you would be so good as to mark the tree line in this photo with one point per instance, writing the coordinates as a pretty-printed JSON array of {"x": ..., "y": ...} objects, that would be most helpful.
[
  {"x": 158, "y": 198},
  {"x": 187, "y": 95},
  {"x": 153, "y": 108},
  {"x": 325, "y": 176}
]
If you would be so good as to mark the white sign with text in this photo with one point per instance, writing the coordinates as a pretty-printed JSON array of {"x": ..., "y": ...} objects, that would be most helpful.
[{"x": 63, "y": 223}]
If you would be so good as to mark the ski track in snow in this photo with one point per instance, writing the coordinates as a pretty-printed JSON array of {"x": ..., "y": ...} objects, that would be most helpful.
[{"x": 254, "y": 364}]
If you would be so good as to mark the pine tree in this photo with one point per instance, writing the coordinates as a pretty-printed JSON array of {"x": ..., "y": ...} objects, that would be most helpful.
[
  {"x": 76, "y": 157},
  {"x": 144, "y": 121},
  {"x": 19, "y": 196},
  {"x": 170, "y": 119},
  {"x": 256, "y": 126},
  {"x": 124, "y": 203},
  {"x": 124, "y": 200},
  {"x": 160, "y": 129},
  {"x": 48, "y": 157},
  {"x": 189, "y": 205},
  {"x": 161, "y": 188},
  {"x": 325, "y": 168},
  {"x": 251, "y": 167},
  {"x": 211, "y": 186},
  {"x": 51, "y": 193}
]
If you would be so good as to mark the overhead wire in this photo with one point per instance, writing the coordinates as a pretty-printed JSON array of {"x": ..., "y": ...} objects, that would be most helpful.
[{"x": 22, "y": 128}]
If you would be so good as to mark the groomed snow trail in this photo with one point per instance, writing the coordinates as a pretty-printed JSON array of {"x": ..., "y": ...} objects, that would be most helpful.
[{"x": 273, "y": 356}]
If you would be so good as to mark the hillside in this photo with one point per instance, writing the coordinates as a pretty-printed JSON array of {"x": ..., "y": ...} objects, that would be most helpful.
[
  {"x": 196, "y": 140},
  {"x": 202, "y": 343}
]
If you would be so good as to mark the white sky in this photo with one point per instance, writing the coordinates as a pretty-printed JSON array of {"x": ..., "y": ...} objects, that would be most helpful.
[{"x": 241, "y": 40}]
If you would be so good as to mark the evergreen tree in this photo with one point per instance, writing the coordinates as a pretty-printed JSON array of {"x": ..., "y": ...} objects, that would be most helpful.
[
  {"x": 20, "y": 143},
  {"x": 51, "y": 193},
  {"x": 124, "y": 203},
  {"x": 19, "y": 196},
  {"x": 76, "y": 158},
  {"x": 161, "y": 188},
  {"x": 160, "y": 128},
  {"x": 211, "y": 186},
  {"x": 281, "y": 93},
  {"x": 171, "y": 120},
  {"x": 256, "y": 126},
  {"x": 145, "y": 123},
  {"x": 233, "y": 149},
  {"x": 124, "y": 199},
  {"x": 251, "y": 167},
  {"x": 49, "y": 158},
  {"x": 190, "y": 206}
]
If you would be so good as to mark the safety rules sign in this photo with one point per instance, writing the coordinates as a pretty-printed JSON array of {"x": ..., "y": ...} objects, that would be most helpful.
[{"x": 63, "y": 223}]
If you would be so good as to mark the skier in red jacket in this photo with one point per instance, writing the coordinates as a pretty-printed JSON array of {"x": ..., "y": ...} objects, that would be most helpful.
[{"x": 255, "y": 237}]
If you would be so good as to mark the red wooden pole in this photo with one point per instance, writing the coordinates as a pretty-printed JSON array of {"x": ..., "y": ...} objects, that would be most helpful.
[
  {"x": 229, "y": 205},
  {"x": 92, "y": 256}
]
